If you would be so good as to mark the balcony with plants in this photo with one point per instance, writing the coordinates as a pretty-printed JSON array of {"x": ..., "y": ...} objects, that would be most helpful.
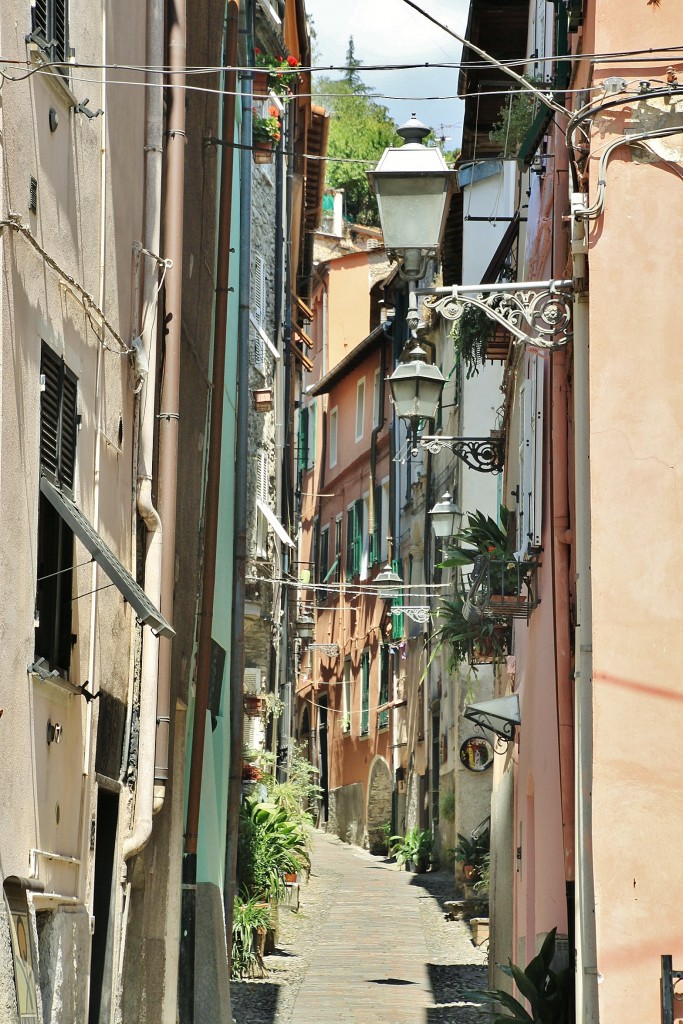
[{"x": 502, "y": 583}]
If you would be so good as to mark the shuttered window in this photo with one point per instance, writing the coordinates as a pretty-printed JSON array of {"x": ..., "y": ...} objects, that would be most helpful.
[
  {"x": 364, "y": 693},
  {"x": 530, "y": 509},
  {"x": 397, "y": 618},
  {"x": 376, "y": 532},
  {"x": 384, "y": 663},
  {"x": 262, "y": 496},
  {"x": 354, "y": 538},
  {"x": 49, "y": 29},
  {"x": 58, "y": 427}
]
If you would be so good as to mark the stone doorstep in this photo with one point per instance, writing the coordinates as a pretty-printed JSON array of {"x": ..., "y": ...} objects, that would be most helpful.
[
  {"x": 458, "y": 910},
  {"x": 480, "y": 930}
]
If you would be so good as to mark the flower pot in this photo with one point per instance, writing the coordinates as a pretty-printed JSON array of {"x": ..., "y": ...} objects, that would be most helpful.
[
  {"x": 253, "y": 705},
  {"x": 259, "y": 84},
  {"x": 470, "y": 872},
  {"x": 262, "y": 152},
  {"x": 290, "y": 876}
]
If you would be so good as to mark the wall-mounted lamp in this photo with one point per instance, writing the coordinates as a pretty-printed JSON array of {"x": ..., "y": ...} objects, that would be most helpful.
[{"x": 446, "y": 517}]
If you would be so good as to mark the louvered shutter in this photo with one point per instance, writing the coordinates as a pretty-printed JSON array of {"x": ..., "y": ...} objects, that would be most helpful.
[
  {"x": 530, "y": 511},
  {"x": 58, "y": 420},
  {"x": 365, "y": 693}
]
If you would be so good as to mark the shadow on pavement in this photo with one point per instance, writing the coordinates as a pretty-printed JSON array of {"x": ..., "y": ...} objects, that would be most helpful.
[
  {"x": 448, "y": 983},
  {"x": 254, "y": 1000}
]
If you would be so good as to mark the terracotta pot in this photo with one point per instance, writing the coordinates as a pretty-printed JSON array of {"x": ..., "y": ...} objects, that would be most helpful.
[
  {"x": 262, "y": 152},
  {"x": 470, "y": 872},
  {"x": 290, "y": 876},
  {"x": 259, "y": 84}
]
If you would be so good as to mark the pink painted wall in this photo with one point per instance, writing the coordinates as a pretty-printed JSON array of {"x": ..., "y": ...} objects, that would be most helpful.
[{"x": 636, "y": 368}]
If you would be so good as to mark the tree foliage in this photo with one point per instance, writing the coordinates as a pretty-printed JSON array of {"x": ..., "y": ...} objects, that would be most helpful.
[{"x": 360, "y": 129}]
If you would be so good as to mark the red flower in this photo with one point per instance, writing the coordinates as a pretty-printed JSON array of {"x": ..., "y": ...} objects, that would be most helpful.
[
  {"x": 293, "y": 62},
  {"x": 273, "y": 111},
  {"x": 257, "y": 51}
]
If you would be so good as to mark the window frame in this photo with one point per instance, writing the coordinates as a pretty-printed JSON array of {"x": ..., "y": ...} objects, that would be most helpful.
[
  {"x": 365, "y": 693},
  {"x": 346, "y": 696},
  {"x": 334, "y": 436},
  {"x": 55, "y": 538},
  {"x": 384, "y": 694},
  {"x": 360, "y": 409},
  {"x": 54, "y": 45}
]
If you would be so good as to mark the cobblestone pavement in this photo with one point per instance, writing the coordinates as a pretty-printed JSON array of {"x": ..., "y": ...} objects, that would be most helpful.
[{"x": 369, "y": 945}]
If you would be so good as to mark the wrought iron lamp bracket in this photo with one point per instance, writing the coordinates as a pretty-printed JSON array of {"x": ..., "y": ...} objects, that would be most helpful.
[
  {"x": 537, "y": 314},
  {"x": 484, "y": 454},
  {"x": 418, "y": 613}
]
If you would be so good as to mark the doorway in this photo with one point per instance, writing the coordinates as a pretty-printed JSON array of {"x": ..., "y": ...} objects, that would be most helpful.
[{"x": 102, "y": 940}]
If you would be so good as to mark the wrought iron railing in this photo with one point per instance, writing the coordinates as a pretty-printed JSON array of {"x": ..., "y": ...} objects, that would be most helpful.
[{"x": 501, "y": 588}]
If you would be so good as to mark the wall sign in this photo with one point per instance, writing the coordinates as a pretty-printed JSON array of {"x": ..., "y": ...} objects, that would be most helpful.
[{"x": 476, "y": 753}]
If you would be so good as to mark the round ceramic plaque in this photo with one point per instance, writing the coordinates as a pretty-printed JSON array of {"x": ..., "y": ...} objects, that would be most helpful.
[{"x": 476, "y": 753}]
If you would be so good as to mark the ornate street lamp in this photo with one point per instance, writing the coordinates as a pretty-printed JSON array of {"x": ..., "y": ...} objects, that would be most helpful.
[
  {"x": 413, "y": 185},
  {"x": 387, "y": 582},
  {"x": 446, "y": 517}
]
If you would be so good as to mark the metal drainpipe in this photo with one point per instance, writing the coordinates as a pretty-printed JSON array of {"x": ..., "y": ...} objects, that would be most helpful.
[
  {"x": 587, "y": 1009},
  {"x": 241, "y": 476},
  {"x": 144, "y": 801},
  {"x": 216, "y": 431}
]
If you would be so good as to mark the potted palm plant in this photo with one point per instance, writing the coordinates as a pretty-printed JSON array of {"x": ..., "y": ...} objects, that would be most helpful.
[{"x": 413, "y": 850}]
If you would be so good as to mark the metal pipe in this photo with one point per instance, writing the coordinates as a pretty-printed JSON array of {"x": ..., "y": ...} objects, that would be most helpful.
[
  {"x": 144, "y": 802},
  {"x": 216, "y": 433},
  {"x": 240, "y": 549},
  {"x": 169, "y": 405},
  {"x": 587, "y": 1002}
]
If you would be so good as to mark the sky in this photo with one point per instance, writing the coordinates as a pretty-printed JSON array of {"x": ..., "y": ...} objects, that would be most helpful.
[{"x": 391, "y": 32}]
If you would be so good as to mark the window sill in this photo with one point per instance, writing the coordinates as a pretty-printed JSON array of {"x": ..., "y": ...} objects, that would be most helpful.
[{"x": 54, "y": 79}]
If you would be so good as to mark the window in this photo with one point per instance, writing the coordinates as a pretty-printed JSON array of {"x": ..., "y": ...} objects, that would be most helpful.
[
  {"x": 375, "y": 533},
  {"x": 364, "y": 693},
  {"x": 262, "y": 495},
  {"x": 376, "y": 411},
  {"x": 324, "y": 559},
  {"x": 337, "y": 549},
  {"x": 354, "y": 538},
  {"x": 384, "y": 524},
  {"x": 312, "y": 420},
  {"x": 50, "y": 29},
  {"x": 346, "y": 696},
  {"x": 257, "y": 310},
  {"x": 360, "y": 408},
  {"x": 58, "y": 426},
  {"x": 397, "y": 618},
  {"x": 333, "y": 437},
  {"x": 383, "y": 714},
  {"x": 530, "y": 509},
  {"x": 302, "y": 453}
]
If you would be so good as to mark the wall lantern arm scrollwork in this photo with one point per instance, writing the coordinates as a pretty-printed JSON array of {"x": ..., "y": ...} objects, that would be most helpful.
[{"x": 536, "y": 313}]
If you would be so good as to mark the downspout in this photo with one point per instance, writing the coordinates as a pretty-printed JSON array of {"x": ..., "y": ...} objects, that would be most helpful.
[
  {"x": 587, "y": 1007},
  {"x": 142, "y": 824},
  {"x": 241, "y": 476},
  {"x": 215, "y": 441}
]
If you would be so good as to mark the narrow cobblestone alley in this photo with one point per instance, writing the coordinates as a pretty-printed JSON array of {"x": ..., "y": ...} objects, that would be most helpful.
[{"x": 369, "y": 945}]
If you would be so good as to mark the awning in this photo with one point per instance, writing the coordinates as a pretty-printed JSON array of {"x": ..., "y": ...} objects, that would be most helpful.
[
  {"x": 274, "y": 523},
  {"x": 500, "y": 715},
  {"x": 107, "y": 560}
]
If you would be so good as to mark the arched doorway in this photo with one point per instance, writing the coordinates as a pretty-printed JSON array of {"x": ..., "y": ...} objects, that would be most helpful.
[{"x": 378, "y": 813}]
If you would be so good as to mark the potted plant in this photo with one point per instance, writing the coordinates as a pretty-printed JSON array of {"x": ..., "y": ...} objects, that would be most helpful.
[
  {"x": 275, "y": 73},
  {"x": 550, "y": 993},
  {"x": 413, "y": 850},
  {"x": 470, "y": 852},
  {"x": 250, "y": 922},
  {"x": 266, "y": 131}
]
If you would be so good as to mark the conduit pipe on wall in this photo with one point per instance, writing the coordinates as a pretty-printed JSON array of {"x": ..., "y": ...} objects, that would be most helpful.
[
  {"x": 216, "y": 434},
  {"x": 154, "y": 678},
  {"x": 587, "y": 1003},
  {"x": 240, "y": 549}
]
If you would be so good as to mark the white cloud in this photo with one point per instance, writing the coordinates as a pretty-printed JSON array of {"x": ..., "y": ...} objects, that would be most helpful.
[{"x": 391, "y": 32}]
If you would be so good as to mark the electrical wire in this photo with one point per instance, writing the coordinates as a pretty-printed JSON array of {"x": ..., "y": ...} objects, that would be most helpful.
[{"x": 14, "y": 221}]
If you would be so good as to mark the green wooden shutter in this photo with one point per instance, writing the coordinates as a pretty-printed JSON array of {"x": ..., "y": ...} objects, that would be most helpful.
[
  {"x": 358, "y": 537},
  {"x": 397, "y": 619},
  {"x": 365, "y": 693},
  {"x": 376, "y": 535},
  {"x": 302, "y": 455},
  {"x": 383, "y": 716},
  {"x": 350, "y": 521}
]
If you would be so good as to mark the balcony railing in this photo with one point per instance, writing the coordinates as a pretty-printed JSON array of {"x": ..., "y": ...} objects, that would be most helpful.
[{"x": 502, "y": 588}]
